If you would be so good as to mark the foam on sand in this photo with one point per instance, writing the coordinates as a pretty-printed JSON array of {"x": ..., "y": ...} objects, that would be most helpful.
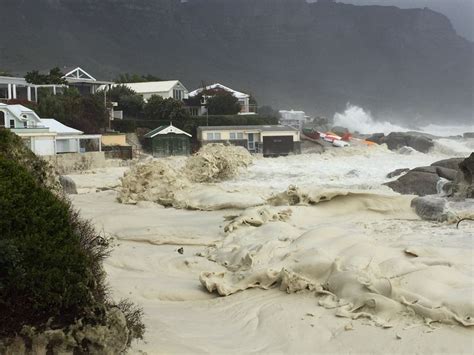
[
  {"x": 345, "y": 266},
  {"x": 216, "y": 162},
  {"x": 158, "y": 181}
]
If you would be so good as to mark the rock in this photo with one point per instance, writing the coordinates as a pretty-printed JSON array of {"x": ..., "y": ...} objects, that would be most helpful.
[
  {"x": 397, "y": 172},
  {"x": 376, "y": 138},
  {"x": 431, "y": 208},
  {"x": 68, "y": 185},
  {"x": 452, "y": 163},
  {"x": 340, "y": 131},
  {"x": 464, "y": 183},
  {"x": 468, "y": 135},
  {"x": 448, "y": 174},
  {"x": 396, "y": 140},
  {"x": 415, "y": 183}
]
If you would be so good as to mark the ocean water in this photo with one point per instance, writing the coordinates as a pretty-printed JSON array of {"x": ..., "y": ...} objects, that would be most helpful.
[
  {"x": 358, "y": 167},
  {"x": 355, "y": 118}
]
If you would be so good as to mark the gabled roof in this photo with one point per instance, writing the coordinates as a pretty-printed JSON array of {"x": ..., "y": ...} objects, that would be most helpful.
[
  {"x": 21, "y": 112},
  {"x": 237, "y": 94},
  {"x": 78, "y": 73},
  {"x": 163, "y": 130},
  {"x": 58, "y": 127},
  {"x": 153, "y": 86}
]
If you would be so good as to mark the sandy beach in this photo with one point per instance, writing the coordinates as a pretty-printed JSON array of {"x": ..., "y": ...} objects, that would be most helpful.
[{"x": 350, "y": 269}]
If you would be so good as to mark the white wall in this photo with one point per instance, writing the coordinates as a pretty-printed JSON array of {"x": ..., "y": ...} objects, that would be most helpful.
[{"x": 43, "y": 145}]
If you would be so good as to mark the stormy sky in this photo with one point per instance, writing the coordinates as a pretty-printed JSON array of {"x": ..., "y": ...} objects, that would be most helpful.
[{"x": 460, "y": 12}]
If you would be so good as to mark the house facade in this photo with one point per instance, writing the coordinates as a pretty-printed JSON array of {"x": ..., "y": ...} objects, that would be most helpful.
[
  {"x": 166, "y": 89},
  {"x": 168, "y": 140},
  {"x": 17, "y": 88},
  {"x": 243, "y": 98},
  {"x": 45, "y": 136},
  {"x": 292, "y": 118},
  {"x": 270, "y": 140},
  {"x": 84, "y": 82}
]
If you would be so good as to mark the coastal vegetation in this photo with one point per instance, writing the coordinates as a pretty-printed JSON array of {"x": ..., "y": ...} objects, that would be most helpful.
[{"x": 52, "y": 280}]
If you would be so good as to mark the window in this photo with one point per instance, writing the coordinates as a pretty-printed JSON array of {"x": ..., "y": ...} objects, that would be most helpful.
[
  {"x": 25, "y": 124},
  {"x": 213, "y": 136},
  {"x": 236, "y": 135},
  {"x": 12, "y": 123},
  {"x": 177, "y": 94}
]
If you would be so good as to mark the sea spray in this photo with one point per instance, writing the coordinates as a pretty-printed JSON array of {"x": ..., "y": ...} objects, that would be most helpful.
[{"x": 357, "y": 119}]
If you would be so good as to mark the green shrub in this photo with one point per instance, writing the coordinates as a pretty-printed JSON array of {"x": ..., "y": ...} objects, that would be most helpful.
[
  {"x": 13, "y": 148},
  {"x": 45, "y": 271}
]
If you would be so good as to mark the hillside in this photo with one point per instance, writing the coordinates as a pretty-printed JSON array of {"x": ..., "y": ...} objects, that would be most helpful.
[{"x": 288, "y": 53}]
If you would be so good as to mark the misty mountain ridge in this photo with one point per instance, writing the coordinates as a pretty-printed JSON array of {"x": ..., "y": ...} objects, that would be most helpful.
[{"x": 288, "y": 53}]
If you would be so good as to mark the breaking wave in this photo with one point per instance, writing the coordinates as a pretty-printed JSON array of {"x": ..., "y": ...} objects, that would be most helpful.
[{"x": 355, "y": 118}]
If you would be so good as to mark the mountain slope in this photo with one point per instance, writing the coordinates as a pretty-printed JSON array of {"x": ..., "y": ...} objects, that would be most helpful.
[{"x": 288, "y": 53}]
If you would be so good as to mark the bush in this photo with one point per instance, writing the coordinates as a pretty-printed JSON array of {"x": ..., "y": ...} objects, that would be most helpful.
[
  {"x": 45, "y": 272},
  {"x": 12, "y": 148},
  {"x": 51, "y": 274}
]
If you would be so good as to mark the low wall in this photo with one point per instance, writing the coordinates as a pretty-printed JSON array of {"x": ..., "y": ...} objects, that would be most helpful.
[{"x": 76, "y": 162}]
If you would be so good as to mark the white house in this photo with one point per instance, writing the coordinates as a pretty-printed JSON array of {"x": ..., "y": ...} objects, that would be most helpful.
[
  {"x": 244, "y": 99},
  {"x": 26, "y": 123},
  {"x": 166, "y": 89},
  {"x": 292, "y": 118},
  {"x": 16, "y": 88},
  {"x": 45, "y": 136},
  {"x": 70, "y": 140},
  {"x": 84, "y": 82},
  {"x": 270, "y": 140}
]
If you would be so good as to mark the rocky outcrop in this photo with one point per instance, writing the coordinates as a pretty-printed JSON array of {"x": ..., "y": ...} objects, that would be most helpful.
[
  {"x": 397, "y": 140},
  {"x": 397, "y": 172},
  {"x": 464, "y": 184},
  {"x": 419, "y": 183},
  {"x": 68, "y": 185},
  {"x": 431, "y": 208},
  {"x": 457, "y": 174},
  {"x": 452, "y": 163}
]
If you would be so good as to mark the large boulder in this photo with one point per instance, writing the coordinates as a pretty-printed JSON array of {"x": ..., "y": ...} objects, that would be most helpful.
[
  {"x": 397, "y": 172},
  {"x": 416, "y": 183},
  {"x": 464, "y": 184},
  {"x": 376, "y": 138},
  {"x": 68, "y": 185},
  {"x": 396, "y": 140},
  {"x": 452, "y": 163},
  {"x": 431, "y": 208},
  {"x": 445, "y": 173}
]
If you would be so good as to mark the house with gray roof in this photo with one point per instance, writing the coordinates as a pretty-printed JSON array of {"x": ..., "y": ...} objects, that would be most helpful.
[{"x": 270, "y": 140}]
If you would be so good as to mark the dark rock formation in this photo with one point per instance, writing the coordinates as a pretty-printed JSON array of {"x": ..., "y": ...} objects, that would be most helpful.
[
  {"x": 415, "y": 183},
  {"x": 431, "y": 208},
  {"x": 452, "y": 163},
  {"x": 459, "y": 173},
  {"x": 464, "y": 184},
  {"x": 287, "y": 53},
  {"x": 397, "y": 172},
  {"x": 377, "y": 138},
  {"x": 397, "y": 140},
  {"x": 68, "y": 185}
]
